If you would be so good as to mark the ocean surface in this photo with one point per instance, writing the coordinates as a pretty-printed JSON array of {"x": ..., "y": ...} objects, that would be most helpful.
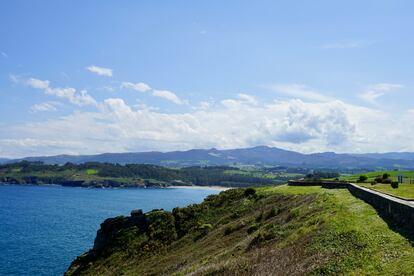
[{"x": 42, "y": 229}]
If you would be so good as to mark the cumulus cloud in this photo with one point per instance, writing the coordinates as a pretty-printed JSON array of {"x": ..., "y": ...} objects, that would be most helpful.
[
  {"x": 375, "y": 91},
  {"x": 38, "y": 84},
  {"x": 299, "y": 91},
  {"x": 167, "y": 95},
  {"x": 140, "y": 86},
  {"x": 101, "y": 71},
  {"x": 80, "y": 98},
  {"x": 42, "y": 107},
  {"x": 292, "y": 124}
]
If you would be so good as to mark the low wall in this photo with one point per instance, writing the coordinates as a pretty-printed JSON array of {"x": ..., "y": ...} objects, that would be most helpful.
[
  {"x": 322, "y": 183},
  {"x": 399, "y": 211}
]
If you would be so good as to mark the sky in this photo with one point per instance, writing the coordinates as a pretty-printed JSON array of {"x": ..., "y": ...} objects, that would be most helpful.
[{"x": 87, "y": 77}]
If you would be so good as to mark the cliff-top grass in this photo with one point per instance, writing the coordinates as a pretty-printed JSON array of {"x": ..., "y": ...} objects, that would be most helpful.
[{"x": 278, "y": 230}]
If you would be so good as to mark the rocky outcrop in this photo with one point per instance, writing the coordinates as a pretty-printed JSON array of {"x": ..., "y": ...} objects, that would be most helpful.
[
  {"x": 111, "y": 227},
  {"x": 155, "y": 229}
]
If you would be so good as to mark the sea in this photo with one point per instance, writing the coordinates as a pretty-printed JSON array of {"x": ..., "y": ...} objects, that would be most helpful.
[{"x": 44, "y": 228}]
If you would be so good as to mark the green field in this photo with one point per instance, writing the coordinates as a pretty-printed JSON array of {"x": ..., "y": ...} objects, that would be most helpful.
[
  {"x": 405, "y": 191},
  {"x": 408, "y": 176}
]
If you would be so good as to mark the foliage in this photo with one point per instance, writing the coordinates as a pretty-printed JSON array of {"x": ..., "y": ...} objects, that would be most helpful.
[
  {"x": 131, "y": 175},
  {"x": 362, "y": 178},
  {"x": 394, "y": 184}
]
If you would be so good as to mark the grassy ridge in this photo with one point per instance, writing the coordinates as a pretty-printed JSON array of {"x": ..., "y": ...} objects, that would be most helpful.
[{"x": 278, "y": 230}]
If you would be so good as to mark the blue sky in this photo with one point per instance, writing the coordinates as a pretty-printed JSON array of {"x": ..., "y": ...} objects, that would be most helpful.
[{"x": 82, "y": 77}]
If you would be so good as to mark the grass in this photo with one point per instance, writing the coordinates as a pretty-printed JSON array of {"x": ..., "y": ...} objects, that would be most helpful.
[
  {"x": 262, "y": 174},
  {"x": 405, "y": 191},
  {"x": 280, "y": 230},
  {"x": 91, "y": 172}
]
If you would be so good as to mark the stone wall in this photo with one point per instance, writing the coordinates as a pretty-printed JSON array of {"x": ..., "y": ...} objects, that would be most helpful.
[
  {"x": 401, "y": 212},
  {"x": 323, "y": 183}
]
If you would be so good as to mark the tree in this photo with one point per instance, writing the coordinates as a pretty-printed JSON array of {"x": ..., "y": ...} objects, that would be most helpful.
[
  {"x": 363, "y": 178},
  {"x": 385, "y": 176}
]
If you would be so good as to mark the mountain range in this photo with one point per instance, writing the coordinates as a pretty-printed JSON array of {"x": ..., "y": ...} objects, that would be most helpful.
[{"x": 258, "y": 156}]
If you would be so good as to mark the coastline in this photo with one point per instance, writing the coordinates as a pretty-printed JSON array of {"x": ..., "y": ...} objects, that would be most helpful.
[
  {"x": 219, "y": 188},
  {"x": 215, "y": 188}
]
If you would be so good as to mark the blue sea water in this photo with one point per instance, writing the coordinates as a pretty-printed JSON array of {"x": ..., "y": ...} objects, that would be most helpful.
[{"x": 42, "y": 229}]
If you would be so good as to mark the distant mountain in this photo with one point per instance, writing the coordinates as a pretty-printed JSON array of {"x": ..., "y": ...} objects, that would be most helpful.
[
  {"x": 389, "y": 155},
  {"x": 3, "y": 160},
  {"x": 260, "y": 156}
]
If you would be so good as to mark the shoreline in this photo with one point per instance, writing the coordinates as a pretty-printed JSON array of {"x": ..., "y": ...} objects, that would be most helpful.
[{"x": 195, "y": 187}]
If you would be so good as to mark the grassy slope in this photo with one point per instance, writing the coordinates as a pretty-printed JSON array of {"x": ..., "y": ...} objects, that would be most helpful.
[{"x": 284, "y": 230}]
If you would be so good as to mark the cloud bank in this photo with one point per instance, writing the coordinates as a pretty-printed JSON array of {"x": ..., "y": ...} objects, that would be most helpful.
[{"x": 240, "y": 122}]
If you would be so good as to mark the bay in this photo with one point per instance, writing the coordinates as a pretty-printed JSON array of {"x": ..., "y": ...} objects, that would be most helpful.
[{"x": 43, "y": 228}]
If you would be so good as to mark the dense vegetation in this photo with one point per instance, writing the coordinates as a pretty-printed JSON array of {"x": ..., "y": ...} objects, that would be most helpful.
[
  {"x": 133, "y": 175},
  {"x": 280, "y": 230}
]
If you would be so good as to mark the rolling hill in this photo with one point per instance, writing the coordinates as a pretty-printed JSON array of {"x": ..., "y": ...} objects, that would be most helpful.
[{"x": 259, "y": 156}]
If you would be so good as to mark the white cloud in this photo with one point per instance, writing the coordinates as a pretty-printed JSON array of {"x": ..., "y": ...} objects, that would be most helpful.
[
  {"x": 42, "y": 107},
  {"x": 38, "y": 84},
  {"x": 203, "y": 105},
  {"x": 71, "y": 94},
  {"x": 375, "y": 91},
  {"x": 291, "y": 124},
  {"x": 101, "y": 71},
  {"x": 167, "y": 95},
  {"x": 248, "y": 99},
  {"x": 4, "y": 54},
  {"x": 140, "y": 86},
  {"x": 299, "y": 91}
]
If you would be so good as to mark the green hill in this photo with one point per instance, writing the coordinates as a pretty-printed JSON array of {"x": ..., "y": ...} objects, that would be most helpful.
[{"x": 267, "y": 231}]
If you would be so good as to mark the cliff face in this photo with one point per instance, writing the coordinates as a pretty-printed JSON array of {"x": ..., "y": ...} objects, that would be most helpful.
[{"x": 267, "y": 231}]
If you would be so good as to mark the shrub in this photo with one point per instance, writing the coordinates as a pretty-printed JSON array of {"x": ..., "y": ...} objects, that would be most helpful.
[
  {"x": 362, "y": 178},
  {"x": 378, "y": 179},
  {"x": 249, "y": 192},
  {"x": 385, "y": 176},
  {"x": 387, "y": 181},
  {"x": 373, "y": 182},
  {"x": 234, "y": 227},
  {"x": 259, "y": 217},
  {"x": 273, "y": 212},
  {"x": 253, "y": 228},
  {"x": 394, "y": 184}
]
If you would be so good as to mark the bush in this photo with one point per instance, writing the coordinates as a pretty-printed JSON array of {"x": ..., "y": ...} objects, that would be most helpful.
[
  {"x": 249, "y": 192},
  {"x": 234, "y": 227},
  {"x": 387, "y": 181},
  {"x": 253, "y": 228},
  {"x": 373, "y": 182},
  {"x": 385, "y": 176},
  {"x": 378, "y": 179},
  {"x": 394, "y": 184},
  {"x": 273, "y": 212},
  {"x": 362, "y": 178}
]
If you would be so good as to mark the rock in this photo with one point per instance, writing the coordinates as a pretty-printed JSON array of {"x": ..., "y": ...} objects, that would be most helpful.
[{"x": 137, "y": 212}]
